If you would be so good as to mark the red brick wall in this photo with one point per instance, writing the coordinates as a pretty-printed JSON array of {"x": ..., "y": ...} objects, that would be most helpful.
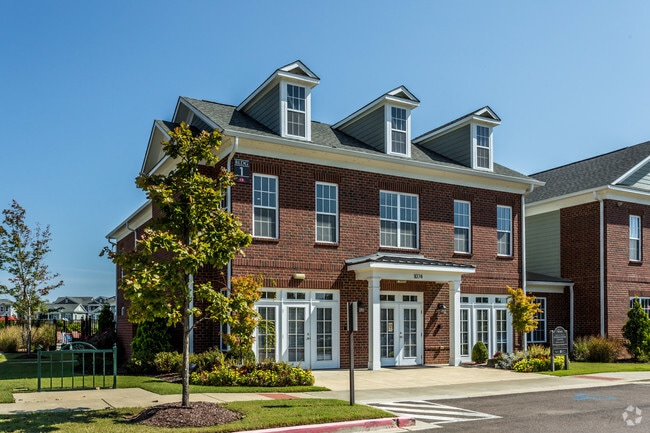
[
  {"x": 624, "y": 278},
  {"x": 295, "y": 250},
  {"x": 579, "y": 251}
]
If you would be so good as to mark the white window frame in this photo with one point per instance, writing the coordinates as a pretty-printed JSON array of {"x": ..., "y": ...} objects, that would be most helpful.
[
  {"x": 468, "y": 227},
  {"x": 635, "y": 238},
  {"x": 475, "y": 146},
  {"x": 541, "y": 323},
  {"x": 504, "y": 230},
  {"x": 273, "y": 206},
  {"x": 390, "y": 129},
  {"x": 284, "y": 111},
  {"x": 400, "y": 220},
  {"x": 330, "y": 213}
]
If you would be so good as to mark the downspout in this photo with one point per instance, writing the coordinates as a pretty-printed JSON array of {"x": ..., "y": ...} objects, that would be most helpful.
[
  {"x": 571, "y": 320},
  {"x": 235, "y": 145},
  {"x": 523, "y": 249},
  {"x": 602, "y": 263}
]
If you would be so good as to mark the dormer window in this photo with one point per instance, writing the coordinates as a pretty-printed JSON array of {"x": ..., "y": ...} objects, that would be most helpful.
[
  {"x": 482, "y": 147},
  {"x": 296, "y": 112},
  {"x": 398, "y": 130}
]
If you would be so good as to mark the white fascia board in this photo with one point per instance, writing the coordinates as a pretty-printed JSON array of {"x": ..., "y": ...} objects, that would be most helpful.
[
  {"x": 631, "y": 171},
  {"x": 135, "y": 220},
  {"x": 546, "y": 286},
  {"x": 278, "y": 75},
  {"x": 151, "y": 144},
  {"x": 368, "y": 108},
  {"x": 295, "y": 150},
  {"x": 394, "y": 271},
  {"x": 472, "y": 118},
  {"x": 607, "y": 192}
]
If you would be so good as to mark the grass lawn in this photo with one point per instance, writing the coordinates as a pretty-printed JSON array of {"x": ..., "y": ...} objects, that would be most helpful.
[
  {"x": 579, "y": 368},
  {"x": 258, "y": 414},
  {"x": 20, "y": 375}
]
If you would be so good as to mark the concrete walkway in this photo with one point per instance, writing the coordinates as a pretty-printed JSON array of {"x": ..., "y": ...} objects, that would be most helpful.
[{"x": 390, "y": 384}]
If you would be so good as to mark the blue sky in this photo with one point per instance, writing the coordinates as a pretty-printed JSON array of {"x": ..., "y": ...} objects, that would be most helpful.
[{"x": 83, "y": 81}]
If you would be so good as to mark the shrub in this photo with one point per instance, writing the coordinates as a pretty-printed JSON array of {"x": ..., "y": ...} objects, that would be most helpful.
[
  {"x": 529, "y": 365},
  {"x": 538, "y": 351},
  {"x": 168, "y": 362},
  {"x": 150, "y": 338},
  {"x": 507, "y": 360},
  {"x": 44, "y": 336},
  {"x": 596, "y": 349},
  {"x": 11, "y": 339},
  {"x": 479, "y": 353},
  {"x": 266, "y": 374},
  {"x": 637, "y": 332},
  {"x": 206, "y": 361}
]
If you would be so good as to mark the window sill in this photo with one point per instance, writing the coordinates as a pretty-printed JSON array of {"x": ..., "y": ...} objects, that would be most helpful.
[
  {"x": 400, "y": 250},
  {"x": 326, "y": 244},
  {"x": 462, "y": 255},
  {"x": 266, "y": 240},
  {"x": 635, "y": 263},
  {"x": 507, "y": 258}
]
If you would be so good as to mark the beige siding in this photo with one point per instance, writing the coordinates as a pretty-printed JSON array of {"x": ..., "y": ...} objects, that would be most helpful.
[{"x": 543, "y": 244}]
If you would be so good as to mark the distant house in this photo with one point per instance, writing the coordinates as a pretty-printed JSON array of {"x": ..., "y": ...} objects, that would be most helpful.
[
  {"x": 7, "y": 308},
  {"x": 95, "y": 306},
  {"x": 69, "y": 308},
  {"x": 586, "y": 231}
]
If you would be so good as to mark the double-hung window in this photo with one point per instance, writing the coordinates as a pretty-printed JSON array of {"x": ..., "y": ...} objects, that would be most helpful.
[
  {"x": 265, "y": 206},
  {"x": 296, "y": 110},
  {"x": 462, "y": 232},
  {"x": 483, "y": 151},
  {"x": 398, "y": 214},
  {"x": 326, "y": 212},
  {"x": 539, "y": 334},
  {"x": 504, "y": 230},
  {"x": 398, "y": 131},
  {"x": 635, "y": 238}
]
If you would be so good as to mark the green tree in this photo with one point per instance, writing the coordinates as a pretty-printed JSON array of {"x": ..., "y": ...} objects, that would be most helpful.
[
  {"x": 637, "y": 332},
  {"x": 523, "y": 310},
  {"x": 193, "y": 232},
  {"x": 243, "y": 320},
  {"x": 22, "y": 255}
]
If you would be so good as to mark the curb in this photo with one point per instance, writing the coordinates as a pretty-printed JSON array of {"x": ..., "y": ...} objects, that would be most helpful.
[{"x": 346, "y": 426}]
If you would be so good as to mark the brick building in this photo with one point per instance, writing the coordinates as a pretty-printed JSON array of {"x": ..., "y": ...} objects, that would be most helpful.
[
  {"x": 423, "y": 233},
  {"x": 585, "y": 230}
]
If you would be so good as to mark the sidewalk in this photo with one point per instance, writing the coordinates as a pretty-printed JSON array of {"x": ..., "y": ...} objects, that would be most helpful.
[{"x": 389, "y": 384}]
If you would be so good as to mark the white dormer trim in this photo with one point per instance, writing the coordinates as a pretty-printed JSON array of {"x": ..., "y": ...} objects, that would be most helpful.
[
  {"x": 631, "y": 171},
  {"x": 284, "y": 110},
  {"x": 474, "y": 127},
  {"x": 389, "y": 130},
  {"x": 483, "y": 116},
  {"x": 388, "y": 98},
  {"x": 307, "y": 79}
]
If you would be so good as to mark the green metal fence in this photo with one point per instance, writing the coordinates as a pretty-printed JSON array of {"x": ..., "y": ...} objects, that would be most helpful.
[{"x": 77, "y": 365}]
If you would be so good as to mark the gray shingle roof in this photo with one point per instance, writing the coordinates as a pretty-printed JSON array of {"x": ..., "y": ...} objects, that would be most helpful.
[
  {"x": 227, "y": 117},
  {"x": 416, "y": 260},
  {"x": 588, "y": 174}
]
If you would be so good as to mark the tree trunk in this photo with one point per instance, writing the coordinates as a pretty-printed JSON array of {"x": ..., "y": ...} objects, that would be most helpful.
[
  {"x": 29, "y": 331},
  {"x": 186, "y": 355}
]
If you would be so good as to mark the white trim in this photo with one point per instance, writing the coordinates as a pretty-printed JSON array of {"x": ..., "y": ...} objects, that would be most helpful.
[
  {"x": 469, "y": 227},
  {"x": 632, "y": 170},
  {"x": 509, "y": 231},
  {"x": 388, "y": 111},
  {"x": 474, "y": 134},
  {"x": 276, "y": 207},
  {"x": 399, "y": 220},
  {"x": 475, "y": 117},
  {"x": 336, "y": 213},
  {"x": 389, "y": 98},
  {"x": 284, "y": 109}
]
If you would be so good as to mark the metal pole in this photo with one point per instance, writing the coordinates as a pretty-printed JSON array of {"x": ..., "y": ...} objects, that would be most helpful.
[{"x": 351, "y": 334}]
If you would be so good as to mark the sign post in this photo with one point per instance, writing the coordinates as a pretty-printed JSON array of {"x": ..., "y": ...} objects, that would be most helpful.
[
  {"x": 559, "y": 346},
  {"x": 352, "y": 327}
]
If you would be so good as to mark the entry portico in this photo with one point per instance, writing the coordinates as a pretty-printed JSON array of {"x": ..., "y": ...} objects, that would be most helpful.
[{"x": 408, "y": 267}]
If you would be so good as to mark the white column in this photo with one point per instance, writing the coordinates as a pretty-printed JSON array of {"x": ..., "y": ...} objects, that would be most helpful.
[
  {"x": 454, "y": 323},
  {"x": 374, "y": 325}
]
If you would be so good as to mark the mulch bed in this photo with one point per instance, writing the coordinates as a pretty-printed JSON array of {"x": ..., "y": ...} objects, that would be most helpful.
[{"x": 198, "y": 414}]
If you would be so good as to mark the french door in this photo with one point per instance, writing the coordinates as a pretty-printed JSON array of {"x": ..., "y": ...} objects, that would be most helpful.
[
  {"x": 305, "y": 333},
  {"x": 401, "y": 330}
]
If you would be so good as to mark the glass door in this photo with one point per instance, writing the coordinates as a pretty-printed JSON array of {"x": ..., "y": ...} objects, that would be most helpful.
[
  {"x": 297, "y": 336},
  {"x": 388, "y": 336},
  {"x": 409, "y": 337}
]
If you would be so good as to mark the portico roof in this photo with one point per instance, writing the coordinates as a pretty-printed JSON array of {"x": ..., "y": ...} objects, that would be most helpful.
[{"x": 407, "y": 267}]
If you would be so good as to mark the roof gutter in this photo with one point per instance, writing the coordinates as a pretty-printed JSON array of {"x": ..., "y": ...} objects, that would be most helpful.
[{"x": 601, "y": 261}]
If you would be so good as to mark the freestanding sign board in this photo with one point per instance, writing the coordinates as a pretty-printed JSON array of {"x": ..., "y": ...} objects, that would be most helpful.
[{"x": 559, "y": 346}]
